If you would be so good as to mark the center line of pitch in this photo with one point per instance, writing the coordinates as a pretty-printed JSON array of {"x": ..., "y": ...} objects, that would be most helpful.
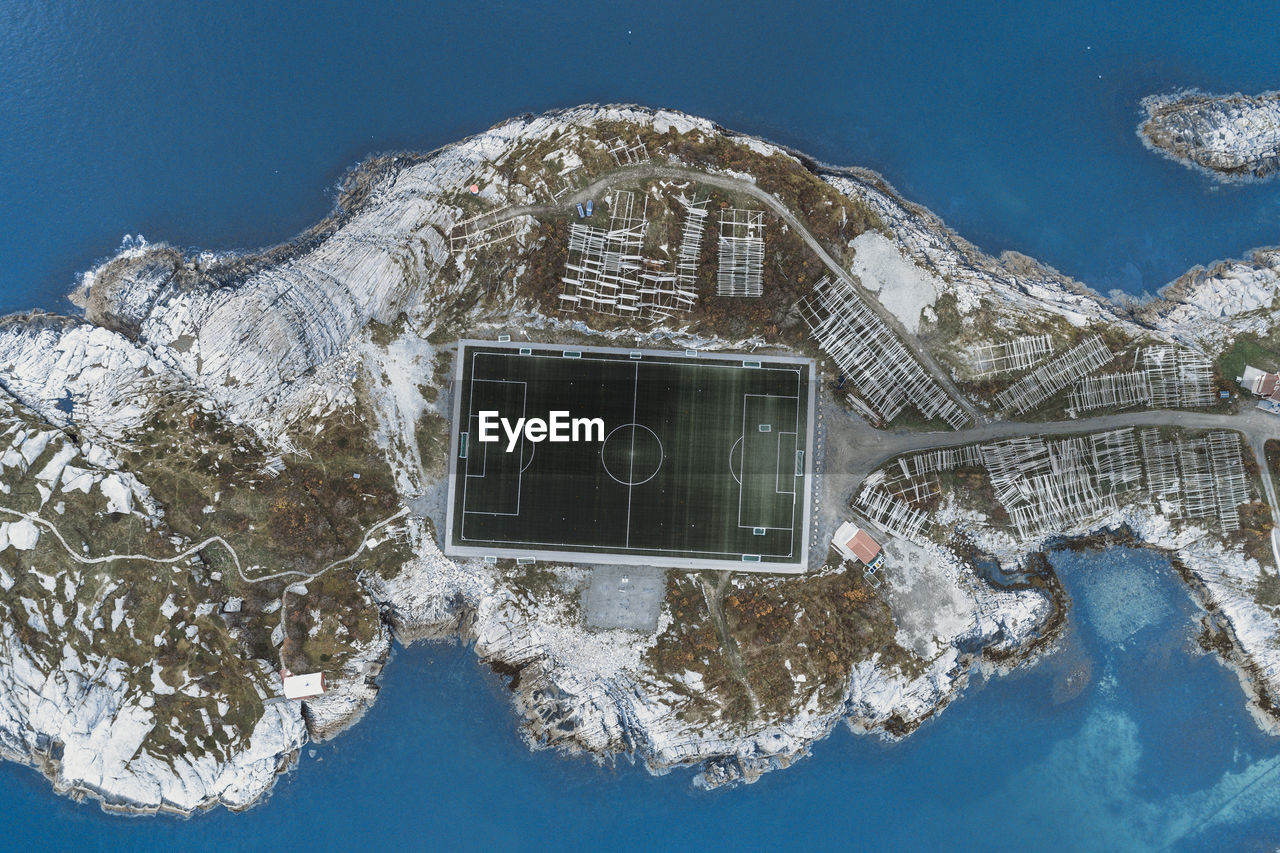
[{"x": 631, "y": 471}]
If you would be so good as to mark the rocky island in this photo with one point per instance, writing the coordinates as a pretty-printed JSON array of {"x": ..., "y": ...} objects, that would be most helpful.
[
  {"x": 235, "y": 467},
  {"x": 1230, "y": 137}
]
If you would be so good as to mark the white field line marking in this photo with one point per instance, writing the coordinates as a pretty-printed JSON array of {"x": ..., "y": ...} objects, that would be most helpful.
[
  {"x": 677, "y": 361},
  {"x": 743, "y": 472},
  {"x": 524, "y": 405},
  {"x": 555, "y": 352},
  {"x": 631, "y": 475}
]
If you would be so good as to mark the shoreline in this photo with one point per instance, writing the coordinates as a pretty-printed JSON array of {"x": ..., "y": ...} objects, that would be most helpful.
[
  {"x": 1195, "y": 129},
  {"x": 467, "y": 601},
  {"x": 239, "y": 263}
]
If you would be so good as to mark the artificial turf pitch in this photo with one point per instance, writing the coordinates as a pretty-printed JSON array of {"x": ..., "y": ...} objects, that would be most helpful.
[{"x": 705, "y": 459}]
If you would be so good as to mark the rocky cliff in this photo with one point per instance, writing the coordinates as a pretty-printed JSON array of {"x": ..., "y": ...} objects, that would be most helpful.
[
  {"x": 204, "y": 479},
  {"x": 1228, "y": 136}
]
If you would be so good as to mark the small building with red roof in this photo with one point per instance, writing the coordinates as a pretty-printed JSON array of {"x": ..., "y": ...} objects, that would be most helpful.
[
  {"x": 1266, "y": 385},
  {"x": 854, "y": 543}
]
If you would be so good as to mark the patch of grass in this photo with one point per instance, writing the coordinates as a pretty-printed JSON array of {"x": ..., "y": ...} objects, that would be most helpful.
[
  {"x": 911, "y": 419},
  {"x": 794, "y": 637},
  {"x": 143, "y": 614},
  {"x": 948, "y": 324},
  {"x": 832, "y": 217},
  {"x": 300, "y": 512},
  {"x": 432, "y": 434},
  {"x": 1254, "y": 535},
  {"x": 789, "y": 271},
  {"x": 971, "y": 488},
  {"x": 1248, "y": 349},
  {"x": 690, "y": 644},
  {"x": 311, "y": 512},
  {"x": 383, "y": 334},
  {"x": 820, "y": 625},
  {"x": 1272, "y": 450},
  {"x": 1267, "y": 590},
  {"x": 533, "y": 581},
  {"x": 322, "y": 626}
]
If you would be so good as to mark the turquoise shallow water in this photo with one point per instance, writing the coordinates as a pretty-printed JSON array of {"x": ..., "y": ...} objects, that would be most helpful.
[
  {"x": 1155, "y": 751},
  {"x": 224, "y": 127}
]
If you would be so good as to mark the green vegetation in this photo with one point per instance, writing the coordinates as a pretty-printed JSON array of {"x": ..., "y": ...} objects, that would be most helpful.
[
  {"x": 948, "y": 323},
  {"x": 432, "y": 433},
  {"x": 788, "y": 274},
  {"x": 1248, "y": 349},
  {"x": 971, "y": 489},
  {"x": 951, "y": 336},
  {"x": 295, "y": 513},
  {"x": 691, "y": 644},
  {"x": 788, "y": 638},
  {"x": 322, "y": 626},
  {"x": 205, "y": 669},
  {"x": 1272, "y": 450},
  {"x": 821, "y": 625},
  {"x": 190, "y": 651},
  {"x": 536, "y": 583},
  {"x": 834, "y": 219},
  {"x": 1267, "y": 591},
  {"x": 383, "y": 334},
  {"x": 1254, "y": 535}
]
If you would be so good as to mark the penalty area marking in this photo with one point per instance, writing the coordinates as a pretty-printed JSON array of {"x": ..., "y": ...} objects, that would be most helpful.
[{"x": 643, "y": 464}]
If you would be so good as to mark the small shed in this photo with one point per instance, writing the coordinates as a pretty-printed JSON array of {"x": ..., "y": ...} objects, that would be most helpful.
[
  {"x": 307, "y": 686},
  {"x": 856, "y": 544}
]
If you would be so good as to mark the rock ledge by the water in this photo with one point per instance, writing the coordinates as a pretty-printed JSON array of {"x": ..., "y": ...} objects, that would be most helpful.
[{"x": 1232, "y": 137}]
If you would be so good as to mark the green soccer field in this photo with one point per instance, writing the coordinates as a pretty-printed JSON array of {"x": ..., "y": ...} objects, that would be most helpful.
[{"x": 700, "y": 461}]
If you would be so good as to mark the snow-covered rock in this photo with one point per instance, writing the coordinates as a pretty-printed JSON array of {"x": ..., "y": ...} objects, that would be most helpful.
[
  {"x": 1227, "y": 136},
  {"x": 276, "y": 339},
  {"x": 83, "y": 725}
]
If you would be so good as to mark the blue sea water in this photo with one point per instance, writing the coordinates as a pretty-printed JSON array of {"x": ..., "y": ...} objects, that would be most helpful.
[
  {"x": 225, "y": 126},
  {"x": 1155, "y": 752}
]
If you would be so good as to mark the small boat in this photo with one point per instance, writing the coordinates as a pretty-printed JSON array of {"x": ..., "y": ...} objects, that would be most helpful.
[
  {"x": 590, "y": 204},
  {"x": 580, "y": 213}
]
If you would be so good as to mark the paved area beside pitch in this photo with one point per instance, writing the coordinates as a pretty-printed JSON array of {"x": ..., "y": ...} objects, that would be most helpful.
[{"x": 625, "y": 597}]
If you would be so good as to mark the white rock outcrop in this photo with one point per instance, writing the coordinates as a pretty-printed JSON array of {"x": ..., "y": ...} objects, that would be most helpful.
[
  {"x": 1228, "y": 136},
  {"x": 271, "y": 340},
  {"x": 84, "y": 727}
]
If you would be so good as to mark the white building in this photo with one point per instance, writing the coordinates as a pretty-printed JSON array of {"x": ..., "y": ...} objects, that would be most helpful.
[{"x": 307, "y": 686}]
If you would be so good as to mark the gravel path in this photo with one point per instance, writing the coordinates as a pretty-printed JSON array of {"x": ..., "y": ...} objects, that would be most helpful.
[
  {"x": 727, "y": 182},
  {"x": 853, "y": 449}
]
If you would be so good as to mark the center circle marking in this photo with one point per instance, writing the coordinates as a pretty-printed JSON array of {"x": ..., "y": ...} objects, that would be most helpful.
[{"x": 631, "y": 454}]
